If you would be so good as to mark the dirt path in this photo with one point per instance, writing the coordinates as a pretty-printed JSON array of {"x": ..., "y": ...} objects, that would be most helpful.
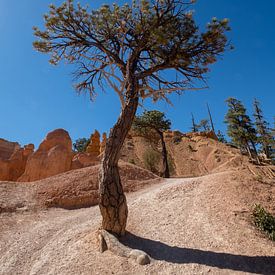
[{"x": 185, "y": 225}]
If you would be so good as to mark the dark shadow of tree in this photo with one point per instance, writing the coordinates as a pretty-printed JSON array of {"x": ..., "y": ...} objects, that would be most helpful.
[{"x": 179, "y": 255}]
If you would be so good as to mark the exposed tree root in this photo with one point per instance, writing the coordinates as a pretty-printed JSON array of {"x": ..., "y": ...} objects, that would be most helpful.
[{"x": 107, "y": 241}]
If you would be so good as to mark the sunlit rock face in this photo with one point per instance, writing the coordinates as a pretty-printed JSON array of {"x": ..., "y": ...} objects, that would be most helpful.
[
  {"x": 13, "y": 159},
  {"x": 53, "y": 156}
]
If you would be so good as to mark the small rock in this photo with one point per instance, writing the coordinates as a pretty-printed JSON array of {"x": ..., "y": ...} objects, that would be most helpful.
[{"x": 143, "y": 259}]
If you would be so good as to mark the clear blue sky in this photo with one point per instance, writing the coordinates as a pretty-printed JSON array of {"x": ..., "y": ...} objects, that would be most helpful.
[{"x": 36, "y": 97}]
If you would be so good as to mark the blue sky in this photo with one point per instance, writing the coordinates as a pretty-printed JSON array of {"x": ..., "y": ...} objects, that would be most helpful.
[{"x": 36, "y": 97}]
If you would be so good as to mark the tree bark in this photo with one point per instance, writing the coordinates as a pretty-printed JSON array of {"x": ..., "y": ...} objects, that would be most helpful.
[
  {"x": 112, "y": 201},
  {"x": 165, "y": 173}
]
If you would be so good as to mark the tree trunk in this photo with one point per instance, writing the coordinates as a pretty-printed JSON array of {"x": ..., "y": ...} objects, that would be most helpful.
[
  {"x": 165, "y": 173},
  {"x": 267, "y": 151},
  {"x": 249, "y": 151},
  {"x": 255, "y": 151},
  {"x": 112, "y": 201}
]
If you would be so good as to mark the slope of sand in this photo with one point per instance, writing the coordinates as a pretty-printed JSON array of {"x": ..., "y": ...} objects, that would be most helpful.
[
  {"x": 187, "y": 226},
  {"x": 70, "y": 190},
  {"x": 189, "y": 156}
]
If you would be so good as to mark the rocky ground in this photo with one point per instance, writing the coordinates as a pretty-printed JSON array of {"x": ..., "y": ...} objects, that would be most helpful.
[{"x": 187, "y": 226}]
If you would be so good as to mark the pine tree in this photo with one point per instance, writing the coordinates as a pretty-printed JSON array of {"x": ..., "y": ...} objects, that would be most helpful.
[
  {"x": 262, "y": 127},
  {"x": 240, "y": 127},
  {"x": 156, "y": 121},
  {"x": 221, "y": 137},
  {"x": 81, "y": 144}
]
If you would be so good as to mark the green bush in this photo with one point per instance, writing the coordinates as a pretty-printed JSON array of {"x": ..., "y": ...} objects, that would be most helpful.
[
  {"x": 264, "y": 221},
  {"x": 80, "y": 145},
  {"x": 151, "y": 160}
]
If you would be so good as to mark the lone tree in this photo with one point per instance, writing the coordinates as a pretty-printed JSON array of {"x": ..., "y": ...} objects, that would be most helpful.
[
  {"x": 156, "y": 121},
  {"x": 240, "y": 127},
  {"x": 129, "y": 48},
  {"x": 264, "y": 132}
]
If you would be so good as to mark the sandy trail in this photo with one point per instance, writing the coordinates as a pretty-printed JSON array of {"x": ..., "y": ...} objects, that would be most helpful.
[{"x": 183, "y": 224}]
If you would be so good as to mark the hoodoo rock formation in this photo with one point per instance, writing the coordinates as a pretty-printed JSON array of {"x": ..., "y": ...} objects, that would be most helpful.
[
  {"x": 13, "y": 159},
  {"x": 7, "y": 148},
  {"x": 53, "y": 156},
  {"x": 93, "y": 149},
  {"x": 201, "y": 152}
]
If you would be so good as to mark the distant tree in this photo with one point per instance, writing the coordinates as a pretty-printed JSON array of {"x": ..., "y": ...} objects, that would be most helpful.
[
  {"x": 130, "y": 48},
  {"x": 221, "y": 137},
  {"x": 263, "y": 130},
  {"x": 210, "y": 118},
  {"x": 194, "y": 127},
  {"x": 240, "y": 128},
  {"x": 155, "y": 120},
  {"x": 81, "y": 144},
  {"x": 204, "y": 125}
]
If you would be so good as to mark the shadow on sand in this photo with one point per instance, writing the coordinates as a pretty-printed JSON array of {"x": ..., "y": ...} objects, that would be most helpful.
[{"x": 179, "y": 255}]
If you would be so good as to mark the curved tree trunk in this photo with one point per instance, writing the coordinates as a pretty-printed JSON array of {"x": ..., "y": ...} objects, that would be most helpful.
[
  {"x": 112, "y": 201},
  {"x": 166, "y": 173}
]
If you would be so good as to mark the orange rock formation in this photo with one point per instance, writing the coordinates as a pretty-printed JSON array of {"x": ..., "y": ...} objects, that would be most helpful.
[
  {"x": 53, "y": 156},
  {"x": 93, "y": 148}
]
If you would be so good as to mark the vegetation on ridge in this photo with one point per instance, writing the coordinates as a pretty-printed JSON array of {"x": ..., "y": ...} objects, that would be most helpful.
[
  {"x": 264, "y": 221},
  {"x": 156, "y": 121}
]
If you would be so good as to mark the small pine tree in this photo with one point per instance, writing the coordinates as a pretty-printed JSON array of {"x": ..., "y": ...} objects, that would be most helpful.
[
  {"x": 264, "y": 132},
  {"x": 156, "y": 121},
  {"x": 240, "y": 127},
  {"x": 221, "y": 137},
  {"x": 81, "y": 144}
]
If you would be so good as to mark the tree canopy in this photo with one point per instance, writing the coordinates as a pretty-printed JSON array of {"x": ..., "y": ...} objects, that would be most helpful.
[
  {"x": 155, "y": 120},
  {"x": 263, "y": 130},
  {"x": 147, "y": 38},
  {"x": 239, "y": 126},
  {"x": 81, "y": 144}
]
